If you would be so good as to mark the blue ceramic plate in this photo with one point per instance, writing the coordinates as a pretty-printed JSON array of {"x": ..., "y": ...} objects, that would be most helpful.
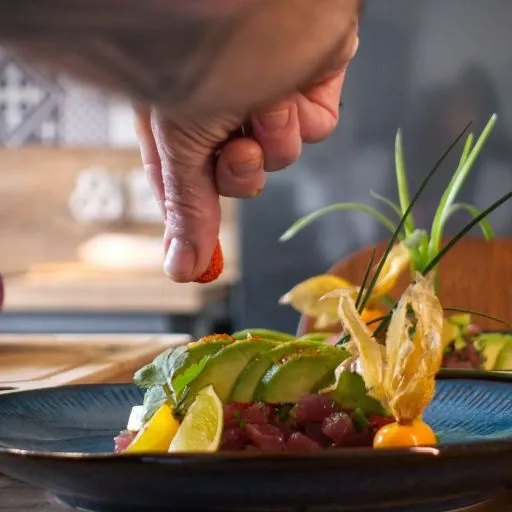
[{"x": 61, "y": 439}]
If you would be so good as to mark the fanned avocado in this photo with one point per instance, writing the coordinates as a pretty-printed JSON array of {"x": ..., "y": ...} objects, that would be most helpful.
[
  {"x": 266, "y": 334},
  {"x": 454, "y": 330},
  {"x": 246, "y": 384},
  {"x": 224, "y": 367},
  {"x": 492, "y": 345},
  {"x": 185, "y": 356},
  {"x": 299, "y": 374},
  {"x": 350, "y": 393},
  {"x": 462, "y": 320},
  {"x": 317, "y": 336},
  {"x": 504, "y": 359}
]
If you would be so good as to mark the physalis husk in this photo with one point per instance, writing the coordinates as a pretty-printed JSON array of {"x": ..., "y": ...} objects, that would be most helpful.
[{"x": 401, "y": 374}]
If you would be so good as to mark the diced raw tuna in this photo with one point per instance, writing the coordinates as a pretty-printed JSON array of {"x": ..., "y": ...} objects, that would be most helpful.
[
  {"x": 299, "y": 441},
  {"x": 456, "y": 365},
  {"x": 257, "y": 414},
  {"x": 266, "y": 437},
  {"x": 234, "y": 439},
  {"x": 356, "y": 439},
  {"x": 473, "y": 356},
  {"x": 233, "y": 415},
  {"x": 467, "y": 357},
  {"x": 123, "y": 440},
  {"x": 314, "y": 409},
  {"x": 377, "y": 422},
  {"x": 338, "y": 426},
  {"x": 473, "y": 330},
  {"x": 314, "y": 432},
  {"x": 286, "y": 429}
]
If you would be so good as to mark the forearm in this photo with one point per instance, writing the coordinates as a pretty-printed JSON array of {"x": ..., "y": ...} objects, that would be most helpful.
[{"x": 174, "y": 53}]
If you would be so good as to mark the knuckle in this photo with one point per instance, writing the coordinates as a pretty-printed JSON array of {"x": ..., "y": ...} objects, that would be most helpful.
[
  {"x": 283, "y": 160},
  {"x": 185, "y": 205},
  {"x": 323, "y": 130}
]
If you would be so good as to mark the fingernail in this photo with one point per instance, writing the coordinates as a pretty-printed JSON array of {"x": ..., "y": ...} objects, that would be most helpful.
[
  {"x": 180, "y": 259},
  {"x": 273, "y": 121},
  {"x": 258, "y": 192},
  {"x": 247, "y": 168}
]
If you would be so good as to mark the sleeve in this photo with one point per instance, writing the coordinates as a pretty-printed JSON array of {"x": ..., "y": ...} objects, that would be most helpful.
[{"x": 175, "y": 53}]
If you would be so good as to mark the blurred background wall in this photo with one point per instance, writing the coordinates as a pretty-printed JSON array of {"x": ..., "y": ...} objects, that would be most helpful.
[{"x": 428, "y": 67}]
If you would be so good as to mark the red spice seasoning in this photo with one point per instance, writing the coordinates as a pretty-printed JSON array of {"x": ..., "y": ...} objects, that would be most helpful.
[
  {"x": 215, "y": 267},
  {"x": 217, "y": 337}
]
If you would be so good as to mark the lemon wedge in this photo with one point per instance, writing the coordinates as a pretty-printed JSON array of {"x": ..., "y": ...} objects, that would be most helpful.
[
  {"x": 157, "y": 434},
  {"x": 201, "y": 429}
]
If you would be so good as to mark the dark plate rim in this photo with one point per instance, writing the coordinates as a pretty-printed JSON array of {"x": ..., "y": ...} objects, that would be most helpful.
[{"x": 339, "y": 456}]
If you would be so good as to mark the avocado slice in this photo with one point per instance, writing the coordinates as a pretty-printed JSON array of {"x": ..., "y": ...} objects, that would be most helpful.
[
  {"x": 350, "y": 393},
  {"x": 504, "y": 359},
  {"x": 224, "y": 367},
  {"x": 246, "y": 384},
  {"x": 317, "y": 336},
  {"x": 183, "y": 357},
  {"x": 266, "y": 334},
  {"x": 299, "y": 374},
  {"x": 491, "y": 345},
  {"x": 462, "y": 320}
]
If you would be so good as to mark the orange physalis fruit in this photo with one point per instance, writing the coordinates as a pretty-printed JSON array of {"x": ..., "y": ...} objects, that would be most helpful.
[
  {"x": 215, "y": 267},
  {"x": 396, "y": 435},
  {"x": 369, "y": 315}
]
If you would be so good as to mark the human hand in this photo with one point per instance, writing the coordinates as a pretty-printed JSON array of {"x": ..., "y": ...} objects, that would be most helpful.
[{"x": 178, "y": 156}]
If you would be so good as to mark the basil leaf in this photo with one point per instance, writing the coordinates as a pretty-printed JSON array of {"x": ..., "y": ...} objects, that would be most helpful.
[{"x": 153, "y": 400}]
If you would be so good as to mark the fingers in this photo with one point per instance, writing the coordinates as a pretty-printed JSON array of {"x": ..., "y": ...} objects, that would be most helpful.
[
  {"x": 240, "y": 169},
  {"x": 149, "y": 155},
  {"x": 277, "y": 131},
  {"x": 319, "y": 109},
  {"x": 191, "y": 199}
]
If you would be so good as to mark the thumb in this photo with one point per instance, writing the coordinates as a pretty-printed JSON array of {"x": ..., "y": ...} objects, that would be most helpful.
[{"x": 191, "y": 200}]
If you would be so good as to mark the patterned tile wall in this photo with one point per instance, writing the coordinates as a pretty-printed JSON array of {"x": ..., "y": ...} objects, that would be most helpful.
[{"x": 37, "y": 108}]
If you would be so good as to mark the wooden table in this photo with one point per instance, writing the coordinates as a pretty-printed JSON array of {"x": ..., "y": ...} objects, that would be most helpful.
[
  {"x": 34, "y": 362},
  {"x": 19, "y": 497}
]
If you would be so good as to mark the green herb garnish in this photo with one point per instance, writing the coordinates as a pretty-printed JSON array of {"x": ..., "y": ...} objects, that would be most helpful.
[
  {"x": 153, "y": 400},
  {"x": 189, "y": 375},
  {"x": 363, "y": 284},
  {"x": 423, "y": 246},
  {"x": 282, "y": 411},
  {"x": 154, "y": 373},
  {"x": 359, "y": 420},
  {"x": 147, "y": 376},
  {"x": 477, "y": 313}
]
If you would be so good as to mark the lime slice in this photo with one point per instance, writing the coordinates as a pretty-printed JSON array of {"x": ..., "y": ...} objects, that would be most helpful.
[
  {"x": 201, "y": 429},
  {"x": 157, "y": 434}
]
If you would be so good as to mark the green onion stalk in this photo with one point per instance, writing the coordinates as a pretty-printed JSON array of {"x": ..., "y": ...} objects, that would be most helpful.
[{"x": 424, "y": 246}]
